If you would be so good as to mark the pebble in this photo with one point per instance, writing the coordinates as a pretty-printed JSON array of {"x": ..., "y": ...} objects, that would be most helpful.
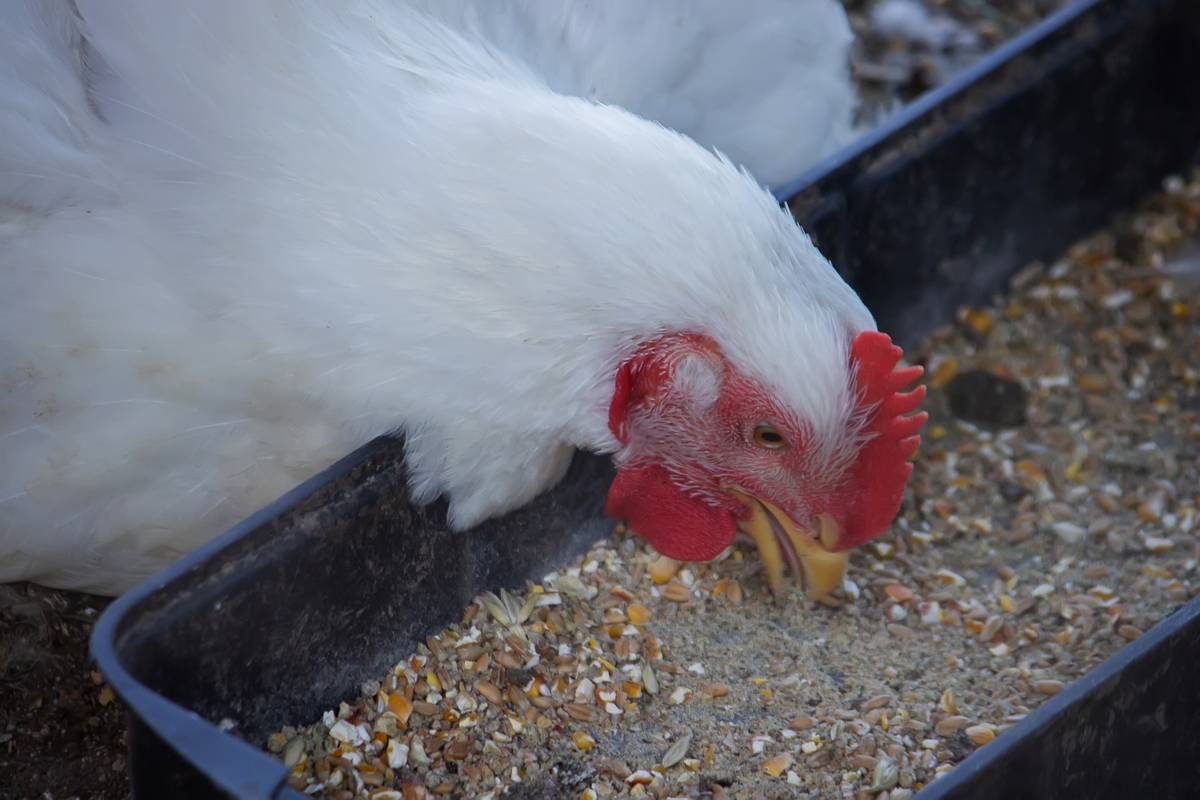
[{"x": 979, "y": 396}]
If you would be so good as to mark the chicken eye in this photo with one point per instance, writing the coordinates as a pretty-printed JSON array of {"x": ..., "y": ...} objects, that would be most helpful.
[{"x": 767, "y": 437}]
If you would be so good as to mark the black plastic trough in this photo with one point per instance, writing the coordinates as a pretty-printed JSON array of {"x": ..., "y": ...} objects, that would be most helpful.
[{"x": 1021, "y": 155}]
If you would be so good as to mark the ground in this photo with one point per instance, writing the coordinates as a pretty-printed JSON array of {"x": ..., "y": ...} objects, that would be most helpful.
[{"x": 62, "y": 733}]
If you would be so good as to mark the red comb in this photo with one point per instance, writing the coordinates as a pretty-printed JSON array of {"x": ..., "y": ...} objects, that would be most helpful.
[{"x": 877, "y": 479}]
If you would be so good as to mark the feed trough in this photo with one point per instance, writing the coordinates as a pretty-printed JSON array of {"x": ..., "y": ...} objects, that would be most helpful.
[{"x": 1033, "y": 147}]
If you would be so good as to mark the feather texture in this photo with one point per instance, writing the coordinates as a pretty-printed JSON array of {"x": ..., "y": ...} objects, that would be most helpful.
[{"x": 239, "y": 239}]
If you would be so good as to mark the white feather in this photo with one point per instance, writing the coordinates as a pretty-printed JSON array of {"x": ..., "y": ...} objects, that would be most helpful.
[{"x": 239, "y": 239}]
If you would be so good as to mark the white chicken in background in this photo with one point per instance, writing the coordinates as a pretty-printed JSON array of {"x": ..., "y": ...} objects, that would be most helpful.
[
  {"x": 240, "y": 239},
  {"x": 766, "y": 83}
]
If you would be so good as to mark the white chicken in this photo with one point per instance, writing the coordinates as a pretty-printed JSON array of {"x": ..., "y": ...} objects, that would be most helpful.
[{"x": 239, "y": 239}]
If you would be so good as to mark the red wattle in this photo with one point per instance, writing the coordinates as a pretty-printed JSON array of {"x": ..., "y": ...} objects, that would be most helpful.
[{"x": 678, "y": 526}]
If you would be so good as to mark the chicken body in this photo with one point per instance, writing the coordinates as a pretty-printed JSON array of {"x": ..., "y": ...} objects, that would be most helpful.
[{"x": 238, "y": 240}]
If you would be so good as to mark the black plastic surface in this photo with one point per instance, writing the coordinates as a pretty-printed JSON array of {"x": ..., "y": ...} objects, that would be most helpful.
[
  {"x": 236, "y": 629},
  {"x": 1009, "y": 162},
  {"x": 1012, "y": 161}
]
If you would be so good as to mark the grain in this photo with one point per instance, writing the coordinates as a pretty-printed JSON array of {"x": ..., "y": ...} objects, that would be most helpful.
[
  {"x": 677, "y": 752},
  {"x": 949, "y": 725},
  {"x": 1021, "y": 558}
]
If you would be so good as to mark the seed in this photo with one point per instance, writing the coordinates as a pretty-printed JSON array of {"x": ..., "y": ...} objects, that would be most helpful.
[
  {"x": 638, "y": 613},
  {"x": 980, "y": 734},
  {"x": 1049, "y": 687},
  {"x": 1031, "y": 471},
  {"x": 1151, "y": 510},
  {"x": 507, "y": 659},
  {"x": 1023, "y": 605},
  {"x": 1157, "y": 544},
  {"x": 677, "y": 751},
  {"x": 276, "y": 743},
  {"x": 1129, "y": 632},
  {"x": 640, "y": 778},
  {"x": 1115, "y": 542},
  {"x": 886, "y": 775},
  {"x": 582, "y": 740},
  {"x": 802, "y": 723},
  {"x": 949, "y": 725},
  {"x": 901, "y": 631},
  {"x": 490, "y": 691},
  {"x": 649, "y": 679},
  {"x": 734, "y": 593},
  {"x": 680, "y": 696},
  {"x": 623, "y": 593},
  {"x": 426, "y": 709},
  {"x": 947, "y": 703},
  {"x": 715, "y": 689},
  {"x": 614, "y": 766},
  {"x": 496, "y": 608},
  {"x": 775, "y": 766},
  {"x": 516, "y": 643},
  {"x": 676, "y": 593},
  {"x": 991, "y": 628},
  {"x": 898, "y": 593},
  {"x": 878, "y": 701},
  {"x": 578, "y": 711},
  {"x": 573, "y": 586},
  {"x": 614, "y": 616},
  {"x": 401, "y": 706},
  {"x": 527, "y": 608},
  {"x": 951, "y": 577},
  {"x": 622, "y": 649},
  {"x": 456, "y": 751},
  {"x": 397, "y": 754},
  {"x": 663, "y": 569},
  {"x": 469, "y": 652},
  {"x": 416, "y": 753}
]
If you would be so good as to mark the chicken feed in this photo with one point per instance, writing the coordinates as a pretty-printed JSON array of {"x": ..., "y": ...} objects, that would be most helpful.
[{"x": 1050, "y": 520}]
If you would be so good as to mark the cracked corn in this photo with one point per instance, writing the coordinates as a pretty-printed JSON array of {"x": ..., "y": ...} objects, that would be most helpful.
[{"x": 1023, "y": 557}]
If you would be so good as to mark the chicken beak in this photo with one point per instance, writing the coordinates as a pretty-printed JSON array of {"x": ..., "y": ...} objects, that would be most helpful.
[{"x": 807, "y": 552}]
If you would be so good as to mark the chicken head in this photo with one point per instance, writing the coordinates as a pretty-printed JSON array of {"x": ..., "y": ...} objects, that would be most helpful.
[{"x": 708, "y": 451}]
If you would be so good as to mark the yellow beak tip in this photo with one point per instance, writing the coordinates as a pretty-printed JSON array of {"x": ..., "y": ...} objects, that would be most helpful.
[{"x": 823, "y": 572}]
